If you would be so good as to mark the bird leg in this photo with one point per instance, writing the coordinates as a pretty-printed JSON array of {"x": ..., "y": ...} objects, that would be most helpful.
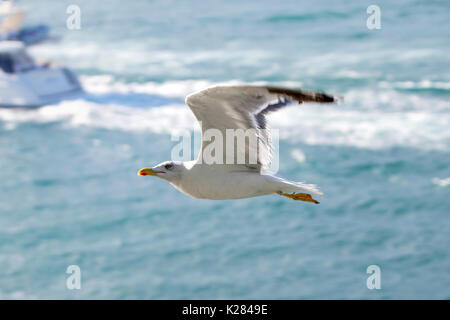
[{"x": 299, "y": 196}]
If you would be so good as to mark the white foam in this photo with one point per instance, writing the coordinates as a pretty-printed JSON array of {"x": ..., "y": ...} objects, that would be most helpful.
[
  {"x": 423, "y": 84},
  {"x": 114, "y": 117},
  {"x": 327, "y": 125},
  {"x": 367, "y": 119},
  {"x": 172, "y": 88},
  {"x": 441, "y": 182},
  {"x": 351, "y": 74},
  {"x": 143, "y": 58},
  {"x": 298, "y": 155},
  {"x": 391, "y": 100},
  {"x": 176, "y": 89}
]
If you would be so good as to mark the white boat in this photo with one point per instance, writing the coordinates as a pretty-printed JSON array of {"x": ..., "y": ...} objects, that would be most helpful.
[{"x": 27, "y": 83}]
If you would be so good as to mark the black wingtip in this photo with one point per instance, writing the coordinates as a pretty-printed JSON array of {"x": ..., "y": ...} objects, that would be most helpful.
[
  {"x": 305, "y": 95},
  {"x": 326, "y": 98}
]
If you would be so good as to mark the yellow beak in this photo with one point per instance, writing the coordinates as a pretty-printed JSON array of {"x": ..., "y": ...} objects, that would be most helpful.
[{"x": 148, "y": 172}]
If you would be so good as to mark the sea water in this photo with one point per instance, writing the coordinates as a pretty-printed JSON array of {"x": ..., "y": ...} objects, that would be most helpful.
[{"x": 69, "y": 193}]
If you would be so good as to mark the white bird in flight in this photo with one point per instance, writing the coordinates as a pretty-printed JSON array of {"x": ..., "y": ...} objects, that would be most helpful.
[{"x": 237, "y": 107}]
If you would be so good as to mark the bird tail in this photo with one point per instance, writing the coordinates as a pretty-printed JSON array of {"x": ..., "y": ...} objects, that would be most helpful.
[
  {"x": 287, "y": 186},
  {"x": 309, "y": 188}
]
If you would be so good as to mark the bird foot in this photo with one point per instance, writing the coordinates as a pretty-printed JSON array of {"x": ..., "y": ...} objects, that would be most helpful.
[{"x": 299, "y": 196}]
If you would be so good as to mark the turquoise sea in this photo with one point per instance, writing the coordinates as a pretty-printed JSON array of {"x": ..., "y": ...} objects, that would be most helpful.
[{"x": 69, "y": 193}]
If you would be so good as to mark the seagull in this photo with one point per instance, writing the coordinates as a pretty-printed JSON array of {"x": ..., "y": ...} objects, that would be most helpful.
[{"x": 222, "y": 108}]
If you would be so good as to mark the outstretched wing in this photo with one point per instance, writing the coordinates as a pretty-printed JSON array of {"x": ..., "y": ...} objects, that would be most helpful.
[{"x": 246, "y": 107}]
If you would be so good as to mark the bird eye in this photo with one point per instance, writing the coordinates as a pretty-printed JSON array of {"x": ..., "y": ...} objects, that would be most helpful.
[{"x": 168, "y": 166}]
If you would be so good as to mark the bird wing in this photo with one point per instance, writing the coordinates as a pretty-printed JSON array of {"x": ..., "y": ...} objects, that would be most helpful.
[{"x": 246, "y": 107}]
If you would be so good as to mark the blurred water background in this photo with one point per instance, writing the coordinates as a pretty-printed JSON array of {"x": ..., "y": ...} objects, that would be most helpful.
[{"x": 69, "y": 193}]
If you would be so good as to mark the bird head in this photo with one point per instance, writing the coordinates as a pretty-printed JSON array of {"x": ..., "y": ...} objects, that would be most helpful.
[{"x": 168, "y": 170}]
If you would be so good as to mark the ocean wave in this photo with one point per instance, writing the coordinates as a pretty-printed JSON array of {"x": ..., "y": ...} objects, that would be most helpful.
[
  {"x": 311, "y": 16},
  {"x": 310, "y": 124},
  {"x": 79, "y": 113},
  {"x": 367, "y": 119},
  {"x": 441, "y": 182},
  {"x": 389, "y": 99},
  {"x": 375, "y": 129},
  {"x": 298, "y": 155},
  {"x": 418, "y": 86},
  {"x": 385, "y": 97},
  {"x": 172, "y": 88},
  {"x": 175, "y": 89},
  {"x": 142, "y": 60}
]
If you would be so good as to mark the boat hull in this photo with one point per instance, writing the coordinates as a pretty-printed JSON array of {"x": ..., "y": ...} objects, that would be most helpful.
[{"x": 38, "y": 87}]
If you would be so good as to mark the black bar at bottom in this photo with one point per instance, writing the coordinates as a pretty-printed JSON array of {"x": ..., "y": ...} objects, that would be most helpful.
[{"x": 220, "y": 309}]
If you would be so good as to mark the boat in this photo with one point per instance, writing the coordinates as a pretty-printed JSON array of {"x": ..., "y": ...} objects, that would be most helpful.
[
  {"x": 27, "y": 83},
  {"x": 29, "y": 35}
]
